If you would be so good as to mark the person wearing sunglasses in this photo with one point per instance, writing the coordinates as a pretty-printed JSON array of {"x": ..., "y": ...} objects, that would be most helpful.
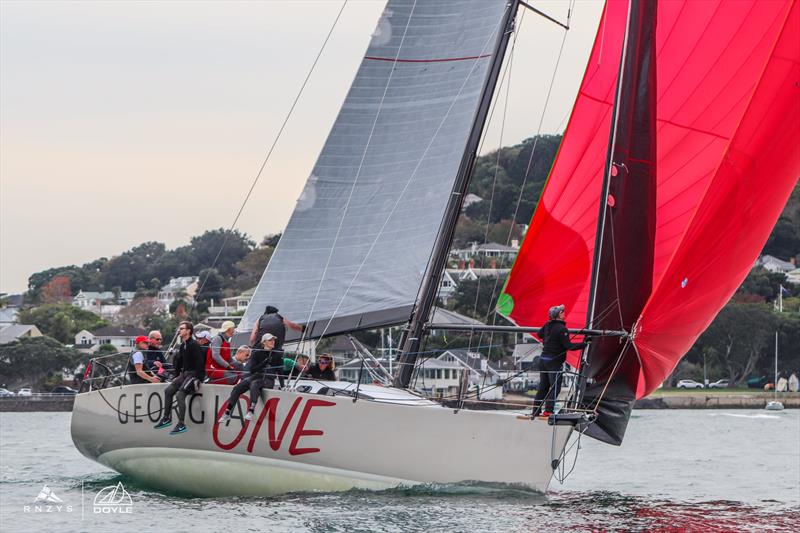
[
  {"x": 190, "y": 367},
  {"x": 324, "y": 368},
  {"x": 155, "y": 362}
]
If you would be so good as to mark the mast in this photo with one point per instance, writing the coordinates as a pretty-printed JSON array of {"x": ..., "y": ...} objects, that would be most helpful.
[
  {"x": 412, "y": 335},
  {"x": 601, "y": 219}
]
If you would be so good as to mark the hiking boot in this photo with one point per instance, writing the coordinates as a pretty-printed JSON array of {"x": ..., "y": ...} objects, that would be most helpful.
[
  {"x": 249, "y": 415},
  {"x": 165, "y": 422},
  {"x": 180, "y": 428},
  {"x": 225, "y": 418}
]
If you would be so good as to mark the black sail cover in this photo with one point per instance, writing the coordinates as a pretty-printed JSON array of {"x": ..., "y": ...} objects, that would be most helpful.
[
  {"x": 357, "y": 244},
  {"x": 626, "y": 260}
]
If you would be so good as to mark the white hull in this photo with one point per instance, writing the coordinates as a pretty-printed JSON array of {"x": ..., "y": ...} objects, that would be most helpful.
[{"x": 310, "y": 442}]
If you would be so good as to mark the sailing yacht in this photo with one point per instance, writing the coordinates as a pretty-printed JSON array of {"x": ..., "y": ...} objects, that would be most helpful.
[{"x": 677, "y": 160}]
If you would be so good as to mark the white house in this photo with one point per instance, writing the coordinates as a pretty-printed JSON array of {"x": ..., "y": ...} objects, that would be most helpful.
[
  {"x": 18, "y": 331},
  {"x": 451, "y": 277},
  {"x": 236, "y": 303},
  {"x": 177, "y": 286},
  {"x": 793, "y": 276},
  {"x": 92, "y": 301},
  {"x": 447, "y": 286},
  {"x": 121, "y": 337},
  {"x": 773, "y": 264},
  {"x": 8, "y": 316},
  {"x": 490, "y": 249}
]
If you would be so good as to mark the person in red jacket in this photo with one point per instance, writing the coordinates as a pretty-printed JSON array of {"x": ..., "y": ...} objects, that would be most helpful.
[{"x": 219, "y": 368}]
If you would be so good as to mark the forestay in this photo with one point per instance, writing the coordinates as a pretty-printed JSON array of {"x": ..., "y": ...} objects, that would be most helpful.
[{"x": 357, "y": 245}]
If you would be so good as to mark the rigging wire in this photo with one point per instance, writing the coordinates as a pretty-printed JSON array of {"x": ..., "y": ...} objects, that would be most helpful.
[{"x": 267, "y": 156}]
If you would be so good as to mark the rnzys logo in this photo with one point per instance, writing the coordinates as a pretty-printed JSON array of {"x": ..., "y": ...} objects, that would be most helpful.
[
  {"x": 47, "y": 502},
  {"x": 113, "y": 500}
]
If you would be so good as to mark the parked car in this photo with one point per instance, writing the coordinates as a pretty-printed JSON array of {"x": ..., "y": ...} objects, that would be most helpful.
[
  {"x": 719, "y": 384},
  {"x": 757, "y": 382},
  {"x": 5, "y": 393},
  {"x": 63, "y": 389},
  {"x": 689, "y": 384},
  {"x": 24, "y": 392}
]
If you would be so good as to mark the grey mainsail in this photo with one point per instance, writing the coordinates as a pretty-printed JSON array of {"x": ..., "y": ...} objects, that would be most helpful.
[{"x": 358, "y": 243}]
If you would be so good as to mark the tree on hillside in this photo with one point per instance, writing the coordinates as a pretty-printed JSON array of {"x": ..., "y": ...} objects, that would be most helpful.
[
  {"x": 739, "y": 336},
  {"x": 220, "y": 245},
  {"x": 252, "y": 267},
  {"x": 56, "y": 290},
  {"x": 135, "y": 313},
  {"x": 210, "y": 286},
  {"x": 464, "y": 300},
  {"x": 766, "y": 284},
  {"x": 134, "y": 265},
  {"x": 61, "y": 321},
  {"x": 31, "y": 361}
]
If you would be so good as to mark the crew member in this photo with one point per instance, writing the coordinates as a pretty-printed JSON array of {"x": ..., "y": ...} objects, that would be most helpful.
[
  {"x": 295, "y": 366},
  {"x": 219, "y": 367},
  {"x": 324, "y": 369},
  {"x": 136, "y": 369},
  {"x": 154, "y": 361},
  {"x": 190, "y": 372},
  {"x": 272, "y": 322},
  {"x": 555, "y": 343},
  {"x": 264, "y": 364}
]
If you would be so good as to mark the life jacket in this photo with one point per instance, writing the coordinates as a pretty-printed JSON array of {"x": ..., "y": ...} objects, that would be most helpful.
[{"x": 212, "y": 370}]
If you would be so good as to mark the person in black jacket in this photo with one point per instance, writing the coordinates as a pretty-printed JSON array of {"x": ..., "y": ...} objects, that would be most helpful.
[
  {"x": 272, "y": 322},
  {"x": 190, "y": 371},
  {"x": 265, "y": 365},
  {"x": 324, "y": 369},
  {"x": 555, "y": 343}
]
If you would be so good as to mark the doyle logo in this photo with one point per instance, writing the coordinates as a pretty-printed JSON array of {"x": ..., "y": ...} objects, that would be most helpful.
[
  {"x": 47, "y": 502},
  {"x": 113, "y": 500}
]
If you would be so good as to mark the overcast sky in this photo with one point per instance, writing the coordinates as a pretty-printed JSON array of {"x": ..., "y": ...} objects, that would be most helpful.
[{"x": 125, "y": 122}]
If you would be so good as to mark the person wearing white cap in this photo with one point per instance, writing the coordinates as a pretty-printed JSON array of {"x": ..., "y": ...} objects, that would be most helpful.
[
  {"x": 555, "y": 343},
  {"x": 220, "y": 368},
  {"x": 265, "y": 364}
]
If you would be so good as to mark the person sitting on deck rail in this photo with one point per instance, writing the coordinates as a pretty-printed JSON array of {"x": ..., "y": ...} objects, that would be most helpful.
[
  {"x": 264, "y": 364},
  {"x": 239, "y": 363},
  {"x": 136, "y": 369},
  {"x": 191, "y": 369},
  {"x": 219, "y": 367},
  {"x": 324, "y": 369},
  {"x": 155, "y": 362},
  {"x": 295, "y": 366},
  {"x": 272, "y": 322},
  {"x": 555, "y": 343}
]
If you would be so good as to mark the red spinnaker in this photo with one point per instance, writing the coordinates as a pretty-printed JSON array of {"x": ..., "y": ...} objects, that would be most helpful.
[{"x": 728, "y": 156}]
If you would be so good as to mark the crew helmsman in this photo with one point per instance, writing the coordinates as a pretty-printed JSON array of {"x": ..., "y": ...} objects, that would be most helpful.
[{"x": 555, "y": 343}]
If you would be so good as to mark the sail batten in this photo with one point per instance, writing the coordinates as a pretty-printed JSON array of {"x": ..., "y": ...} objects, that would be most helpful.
[{"x": 356, "y": 247}]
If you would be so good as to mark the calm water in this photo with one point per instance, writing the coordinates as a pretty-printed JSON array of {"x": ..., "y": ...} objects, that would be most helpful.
[{"x": 677, "y": 470}]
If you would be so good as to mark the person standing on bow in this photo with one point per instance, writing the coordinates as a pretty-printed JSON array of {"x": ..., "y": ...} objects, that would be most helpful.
[
  {"x": 555, "y": 344},
  {"x": 272, "y": 322},
  {"x": 264, "y": 364},
  {"x": 190, "y": 363},
  {"x": 219, "y": 367}
]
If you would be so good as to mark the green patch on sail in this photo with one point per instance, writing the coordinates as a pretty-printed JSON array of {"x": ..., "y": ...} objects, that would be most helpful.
[{"x": 505, "y": 304}]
